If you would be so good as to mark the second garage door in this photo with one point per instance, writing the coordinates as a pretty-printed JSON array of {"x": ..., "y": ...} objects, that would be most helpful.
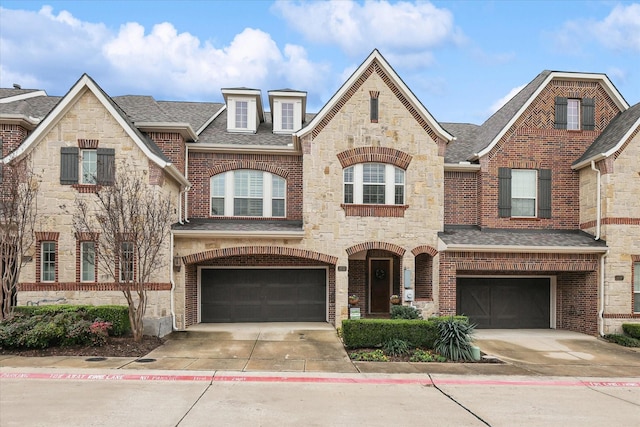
[
  {"x": 505, "y": 303},
  {"x": 263, "y": 295}
]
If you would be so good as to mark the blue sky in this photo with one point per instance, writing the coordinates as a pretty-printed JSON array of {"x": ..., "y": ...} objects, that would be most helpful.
[{"x": 461, "y": 58}]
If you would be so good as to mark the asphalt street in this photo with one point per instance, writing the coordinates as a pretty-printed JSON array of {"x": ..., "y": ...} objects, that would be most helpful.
[{"x": 51, "y": 397}]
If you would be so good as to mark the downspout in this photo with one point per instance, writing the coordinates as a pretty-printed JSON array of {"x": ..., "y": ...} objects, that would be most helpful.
[
  {"x": 186, "y": 174},
  {"x": 602, "y": 258},
  {"x": 601, "y": 311},
  {"x": 173, "y": 284},
  {"x": 598, "y": 202}
]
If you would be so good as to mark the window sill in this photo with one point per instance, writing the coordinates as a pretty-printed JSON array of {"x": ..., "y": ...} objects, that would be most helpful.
[
  {"x": 524, "y": 218},
  {"x": 86, "y": 188},
  {"x": 393, "y": 211}
]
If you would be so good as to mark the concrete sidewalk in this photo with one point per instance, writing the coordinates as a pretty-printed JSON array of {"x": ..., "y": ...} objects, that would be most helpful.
[{"x": 315, "y": 347}]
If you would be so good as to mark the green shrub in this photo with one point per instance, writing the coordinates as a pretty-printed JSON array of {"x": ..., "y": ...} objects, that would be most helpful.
[
  {"x": 405, "y": 312},
  {"x": 369, "y": 356},
  {"x": 374, "y": 332},
  {"x": 623, "y": 340},
  {"x": 52, "y": 328},
  {"x": 420, "y": 355},
  {"x": 396, "y": 347},
  {"x": 117, "y": 315},
  {"x": 632, "y": 329},
  {"x": 455, "y": 339},
  {"x": 362, "y": 333}
]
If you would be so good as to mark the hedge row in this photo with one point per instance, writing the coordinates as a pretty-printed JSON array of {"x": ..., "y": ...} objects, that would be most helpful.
[
  {"x": 118, "y": 315},
  {"x": 632, "y": 329},
  {"x": 363, "y": 333}
]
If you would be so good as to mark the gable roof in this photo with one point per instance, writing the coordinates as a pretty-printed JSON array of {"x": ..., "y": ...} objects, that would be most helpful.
[
  {"x": 375, "y": 56},
  {"x": 494, "y": 128},
  {"x": 84, "y": 84},
  {"x": 612, "y": 138}
]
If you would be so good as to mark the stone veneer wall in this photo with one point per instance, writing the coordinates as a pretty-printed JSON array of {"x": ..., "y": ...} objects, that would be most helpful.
[
  {"x": 621, "y": 230},
  {"x": 86, "y": 119}
]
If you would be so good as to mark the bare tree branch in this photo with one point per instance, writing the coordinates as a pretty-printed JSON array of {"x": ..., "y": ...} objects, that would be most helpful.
[
  {"x": 18, "y": 212},
  {"x": 130, "y": 214}
]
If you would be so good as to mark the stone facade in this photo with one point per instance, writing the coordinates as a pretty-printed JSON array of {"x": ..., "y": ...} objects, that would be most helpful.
[
  {"x": 346, "y": 240},
  {"x": 86, "y": 118}
]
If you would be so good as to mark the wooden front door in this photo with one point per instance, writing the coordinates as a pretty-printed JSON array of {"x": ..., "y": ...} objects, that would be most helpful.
[{"x": 380, "y": 285}]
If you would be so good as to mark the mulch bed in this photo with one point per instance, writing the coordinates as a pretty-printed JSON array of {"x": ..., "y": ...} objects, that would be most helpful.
[{"x": 115, "y": 347}]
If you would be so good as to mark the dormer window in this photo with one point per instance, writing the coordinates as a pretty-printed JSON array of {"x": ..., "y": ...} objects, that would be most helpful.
[
  {"x": 241, "y": 114},
  {"x": 244, "y": 109},
  {"x": 287, "y": 116},
  {"x": 288, "y": 110}
]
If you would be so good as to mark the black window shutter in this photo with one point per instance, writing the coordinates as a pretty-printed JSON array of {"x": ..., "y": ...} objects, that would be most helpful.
[
  {"x": 544, "y": 193},
  {"x": 69, "y": 165},
  {"x": 1, "y": 165},
  {"x": 588, "y": 114},
  {"x": 504, "y": 192},
  {"x": 374, "y": 109},
  {"x": 106, "y": 166},
  {"x": 561, "y": 113}
]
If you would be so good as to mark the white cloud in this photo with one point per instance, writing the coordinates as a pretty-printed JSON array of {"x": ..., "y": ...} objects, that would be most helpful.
[
  {"x": 618, "y": 31},
  {"x": 500, "y": 102},
  {"x": 169, "y": 64},
  {"x": 401, "y": 27}
]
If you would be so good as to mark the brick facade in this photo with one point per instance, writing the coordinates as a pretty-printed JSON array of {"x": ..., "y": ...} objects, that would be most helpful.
[{"x": 203, "y": 165}]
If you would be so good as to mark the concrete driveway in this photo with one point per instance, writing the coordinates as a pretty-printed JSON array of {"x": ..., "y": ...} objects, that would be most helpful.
[
  {"x": 275, "y": 347},
  {"x": 559, "y": 353}
]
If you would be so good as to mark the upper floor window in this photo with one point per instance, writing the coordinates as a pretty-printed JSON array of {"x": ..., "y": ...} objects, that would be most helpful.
[
  {"x": 48, "y": 261},
  {"x": 246, "y": 192},
  {"x": 373, "y": 183},
  {"x": 87, "y": 166},
  {"x": 574, "y": 113},
  {"x": 524, "y": 193},
  {"x": 242, "y": 114},
  {"x": 287, "y": 116}
]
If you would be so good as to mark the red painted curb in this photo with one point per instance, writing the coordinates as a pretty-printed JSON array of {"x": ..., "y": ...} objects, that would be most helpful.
[{"x": 314, "y": 380}]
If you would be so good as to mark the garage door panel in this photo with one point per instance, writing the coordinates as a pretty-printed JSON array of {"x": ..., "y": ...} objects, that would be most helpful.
[
  {"x": 263, "y": 295},
  {"x": 505, "y": 302}
]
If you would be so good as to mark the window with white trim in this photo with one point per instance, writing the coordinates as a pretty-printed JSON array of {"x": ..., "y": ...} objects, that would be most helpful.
[
  {"x": 242, "y": 114},
  {"x": 523, "y": 192},
  {"x": 636, "y": 287},
  {"x": 573, "y": 114},
  {"x": 373, "y": 183},
  {"x": 247, "y": 192},
  {"x": 48, "y": 261},
  {"x": 87, "y": 261},
  {"x": 89, "y": 166},
  {"x": 287, "y": 116}
]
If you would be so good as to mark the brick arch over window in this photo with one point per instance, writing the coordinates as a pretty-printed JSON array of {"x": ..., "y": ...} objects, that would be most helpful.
[
  {"x": 258, "y": 250},
  {"x": 248, "y": 164},
  {"x": 424, "y": 249},
  {"x": 374, "y": 154},
  {"x": 395, "y": 249}
]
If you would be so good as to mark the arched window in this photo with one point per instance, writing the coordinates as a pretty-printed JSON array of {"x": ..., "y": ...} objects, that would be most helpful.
[
  {"x": 373, "y": 183},
  {"x": 246, "y": 192}
]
